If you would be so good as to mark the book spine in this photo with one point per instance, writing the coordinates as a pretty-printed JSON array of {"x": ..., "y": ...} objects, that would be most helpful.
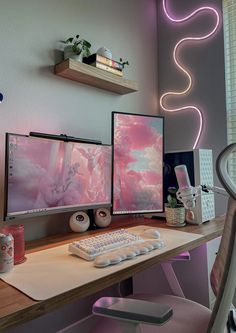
[
  {"x": 109, "y": 62},
  {"x": 108, "y": 68}
]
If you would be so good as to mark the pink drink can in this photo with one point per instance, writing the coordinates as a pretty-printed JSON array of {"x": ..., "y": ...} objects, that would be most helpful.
[
  {"x": 6, "y": 253},
  {"x": 17, "y": 232}
]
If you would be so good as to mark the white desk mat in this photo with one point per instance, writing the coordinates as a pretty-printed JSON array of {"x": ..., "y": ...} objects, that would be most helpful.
[{"x": 51, "y": 272}]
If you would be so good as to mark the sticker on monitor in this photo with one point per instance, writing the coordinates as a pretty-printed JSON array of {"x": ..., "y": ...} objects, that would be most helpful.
[{"x": 137, "y": 185}]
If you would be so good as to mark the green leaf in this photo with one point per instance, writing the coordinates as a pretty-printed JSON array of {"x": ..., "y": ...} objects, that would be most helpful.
[
  {"x": 78, "y": 45},
  {"x": 123, "y": 63},
  {"x": 172, "y": 201},
  {"x": 86, "y": 43},
  {"x": 69, "y": 40}
]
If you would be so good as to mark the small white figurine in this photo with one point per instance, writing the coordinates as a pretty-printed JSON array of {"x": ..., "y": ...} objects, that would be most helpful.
[{"x": 103, "y": 51}]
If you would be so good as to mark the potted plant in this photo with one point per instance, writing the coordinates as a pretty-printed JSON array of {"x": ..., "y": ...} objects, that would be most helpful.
[
  {"x": 76, "y": 48},
  {"x": 175, "y": 211}
]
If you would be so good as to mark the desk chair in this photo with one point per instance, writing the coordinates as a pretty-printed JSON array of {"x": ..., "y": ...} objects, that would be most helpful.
[{"x": 172, "y": 314}]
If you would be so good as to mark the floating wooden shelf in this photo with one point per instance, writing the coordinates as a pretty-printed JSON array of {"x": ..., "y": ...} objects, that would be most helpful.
[{"x": 74, "y": 70}]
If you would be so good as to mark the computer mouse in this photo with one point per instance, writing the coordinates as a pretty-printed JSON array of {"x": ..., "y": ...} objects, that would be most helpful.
[{"x": 152, "y": 233}]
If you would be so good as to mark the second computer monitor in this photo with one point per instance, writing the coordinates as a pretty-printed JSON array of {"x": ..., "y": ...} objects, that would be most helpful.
[{"x": 137, "y": 163}]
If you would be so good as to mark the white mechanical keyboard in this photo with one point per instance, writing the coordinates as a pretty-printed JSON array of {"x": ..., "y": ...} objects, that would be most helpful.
[
  {"x": 112, "y": 247},
  {"x": 91, "y": 247}
]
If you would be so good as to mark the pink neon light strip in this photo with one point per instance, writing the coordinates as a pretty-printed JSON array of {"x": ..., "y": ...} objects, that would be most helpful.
[{"x": 177, "y": 62}]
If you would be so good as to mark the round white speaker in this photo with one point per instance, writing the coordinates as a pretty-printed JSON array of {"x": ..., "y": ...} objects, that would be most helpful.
[
  {"x": 79, "y": 222},
  {"x": 102, "y": 217}
]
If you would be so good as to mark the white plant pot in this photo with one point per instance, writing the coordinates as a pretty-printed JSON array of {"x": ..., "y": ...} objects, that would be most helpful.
[
  {"x": 68, "y": 53},
  {"x": 175, "y": 217}
]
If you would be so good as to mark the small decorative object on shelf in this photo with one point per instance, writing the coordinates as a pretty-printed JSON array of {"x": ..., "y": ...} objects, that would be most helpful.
[
  {"x": 175, "y": 212},
  {"x": 123, "y": 63},
  {"x": 97, "y": 58},
  {"x": 103, "y": 51},
  {"x": 76, "y": 48},
  {"x": 107, "y": 64},
  {"x": 104, "y": 63}
]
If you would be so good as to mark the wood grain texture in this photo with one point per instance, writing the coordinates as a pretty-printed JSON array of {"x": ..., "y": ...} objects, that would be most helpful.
[
  {"x": 76, "y": 71},
  {"x": 17, "y": 308}
]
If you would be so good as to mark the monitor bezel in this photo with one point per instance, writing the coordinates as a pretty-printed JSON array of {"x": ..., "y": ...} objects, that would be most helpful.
[
  {"x": 44, "y": 211},
  {"x": 114, "y": 213}
]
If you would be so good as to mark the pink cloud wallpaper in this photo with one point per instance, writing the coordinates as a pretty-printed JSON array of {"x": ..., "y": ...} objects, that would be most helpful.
[
  {"x": 44, "y": 174},
  {"x": 137, "y": 163}
]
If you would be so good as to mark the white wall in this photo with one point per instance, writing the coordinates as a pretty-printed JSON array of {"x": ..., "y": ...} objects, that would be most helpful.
[{"x": 37, "y": 100}]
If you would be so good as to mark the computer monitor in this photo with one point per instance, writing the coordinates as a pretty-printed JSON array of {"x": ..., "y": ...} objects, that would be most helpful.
[
  {"x": 137, "y": 163},
  {"x": 45, "y": 176}
]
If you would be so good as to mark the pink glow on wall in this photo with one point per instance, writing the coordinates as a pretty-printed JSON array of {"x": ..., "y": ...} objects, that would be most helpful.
[{"x": 181, "y": 67}]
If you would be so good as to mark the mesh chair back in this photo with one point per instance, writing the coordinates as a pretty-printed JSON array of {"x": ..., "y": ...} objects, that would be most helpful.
[{"x": 223, "y": 274}]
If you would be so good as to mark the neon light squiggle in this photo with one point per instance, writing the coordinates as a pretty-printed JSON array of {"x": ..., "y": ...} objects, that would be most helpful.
[{"x": 181, "y": 67}]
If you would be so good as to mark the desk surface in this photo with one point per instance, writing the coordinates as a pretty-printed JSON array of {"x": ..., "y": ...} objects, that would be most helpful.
[{"x": 17, "y": 308}]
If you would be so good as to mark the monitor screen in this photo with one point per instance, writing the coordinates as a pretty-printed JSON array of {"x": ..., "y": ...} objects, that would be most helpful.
[
  {"x": 47, "y": 176},
  {"x": 137, "y": 163}
]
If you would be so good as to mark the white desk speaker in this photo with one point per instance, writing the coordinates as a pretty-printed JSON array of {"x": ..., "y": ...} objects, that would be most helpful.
[
  {"x": 102, "y": 217},
  {"x": 79, "y": 222}
]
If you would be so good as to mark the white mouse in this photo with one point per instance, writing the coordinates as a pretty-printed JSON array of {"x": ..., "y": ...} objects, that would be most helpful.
[{"x": 152, "y": 233}]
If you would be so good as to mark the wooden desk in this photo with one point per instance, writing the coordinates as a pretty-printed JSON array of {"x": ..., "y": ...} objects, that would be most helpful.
[{"x": 17, "y": 308}]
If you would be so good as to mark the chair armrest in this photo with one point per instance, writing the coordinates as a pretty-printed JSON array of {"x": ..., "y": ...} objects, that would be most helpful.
[{"x": 128, "y": 309}]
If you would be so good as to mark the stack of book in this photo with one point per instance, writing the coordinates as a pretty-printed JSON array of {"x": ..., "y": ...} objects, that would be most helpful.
[{"x": 104, "y": 63}]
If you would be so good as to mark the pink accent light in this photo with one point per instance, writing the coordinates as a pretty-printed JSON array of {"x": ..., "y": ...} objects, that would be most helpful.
[{"x": 177, "y": 62}]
